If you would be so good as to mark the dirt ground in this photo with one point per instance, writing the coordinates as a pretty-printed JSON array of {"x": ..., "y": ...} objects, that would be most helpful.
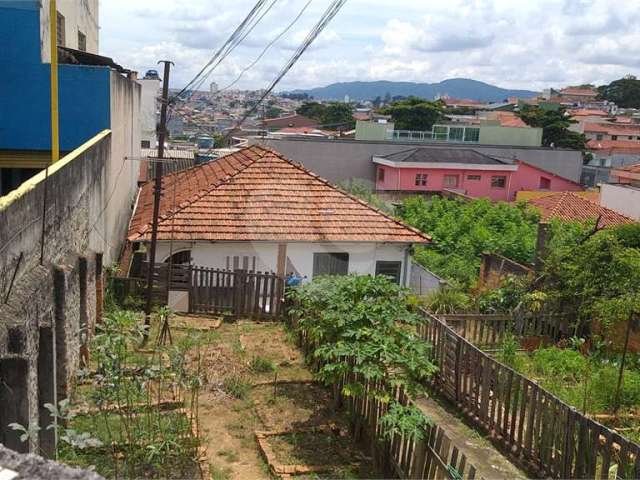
[{"x": 241, "y": 362}]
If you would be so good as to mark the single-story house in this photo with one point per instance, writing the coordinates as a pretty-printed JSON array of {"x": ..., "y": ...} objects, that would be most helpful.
[
  {"x": 256, "y": 210},
  {"x": 569, "y": 207},
  {"x": 465, "y": 171}
]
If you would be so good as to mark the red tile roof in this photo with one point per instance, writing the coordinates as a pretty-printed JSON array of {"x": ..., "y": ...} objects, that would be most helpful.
[
  {"x": 619, "y": 146},
  {"x": 256, "y": 194},
  {"x": 613, "y": 128},
  {"x": 587, "y": 92},
  {"x": 510, "y": 119},
  {"x": 571, "y": 207}
]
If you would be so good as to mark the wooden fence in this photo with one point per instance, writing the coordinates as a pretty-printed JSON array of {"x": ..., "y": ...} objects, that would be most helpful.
[
  {"x": 240, "y": 293},
  {"x": 488, "y": 330},
  {"x": 545, "y": 434},
  {"x": 434, "y": 456}
]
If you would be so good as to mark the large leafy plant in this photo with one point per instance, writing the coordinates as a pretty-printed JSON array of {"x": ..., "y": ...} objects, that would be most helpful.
[{"x": 363, "y": 330}]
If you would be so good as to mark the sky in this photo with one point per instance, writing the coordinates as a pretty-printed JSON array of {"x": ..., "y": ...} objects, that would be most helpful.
[{"x": 530, "y": 44}]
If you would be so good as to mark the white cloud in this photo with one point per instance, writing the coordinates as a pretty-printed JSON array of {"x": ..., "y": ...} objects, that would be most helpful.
[{"x": 532, "y": 44}]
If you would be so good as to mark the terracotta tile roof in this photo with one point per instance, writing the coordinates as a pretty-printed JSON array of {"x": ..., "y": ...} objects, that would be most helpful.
[
  {"x": 586, "y": 112},
  {"x": 620, "y": 146},
  {"x": 587, "y": 92},
  {"x": 613, "y": 128},
  {"x": 256, "y": 194},
  {"x": 635, "y": 168},
  {"x": 571, "y": 207},
  {"x": 510, "y": 119}
]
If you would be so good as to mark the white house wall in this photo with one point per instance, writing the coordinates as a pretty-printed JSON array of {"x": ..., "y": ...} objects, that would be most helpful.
[{"x": 362, "y": 255}]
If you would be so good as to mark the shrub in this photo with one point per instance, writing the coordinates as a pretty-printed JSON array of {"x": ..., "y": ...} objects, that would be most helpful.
[
  {"x": 364, "y": 333},
  {"x": 447, "y": 300},
  {"x": 560, "y": 363}
]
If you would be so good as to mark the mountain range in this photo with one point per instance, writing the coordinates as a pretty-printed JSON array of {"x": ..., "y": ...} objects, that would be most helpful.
[{"x": 455, "y": 87}]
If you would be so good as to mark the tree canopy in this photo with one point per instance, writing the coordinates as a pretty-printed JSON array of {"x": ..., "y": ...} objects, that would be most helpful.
[
  {"x": 462, "y": 230},
  {"x": 555, "y": 127},
  {"x": 624, "y": 92},
  {"x": 327, "y": 114},
  {"x": 414, "y": 113}
]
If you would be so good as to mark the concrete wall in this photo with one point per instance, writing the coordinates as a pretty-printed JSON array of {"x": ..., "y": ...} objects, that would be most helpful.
[
  {"x": 495, "y": 268},
  {"x": 337, "y": 160},
  {"x": 622, "y": 199},
  {"x": 498, "y": 135},
  {"x": 58, "y": 289},
  {"x": 362, "y": 256},
  {"x": 366, "y": 130},
  {"x": 423, "y": 281},
  {"x": 79, "y": 15}
]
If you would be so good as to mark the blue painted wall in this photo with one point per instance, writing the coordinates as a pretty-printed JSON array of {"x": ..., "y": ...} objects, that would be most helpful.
[{"x": 84, "y": 93}]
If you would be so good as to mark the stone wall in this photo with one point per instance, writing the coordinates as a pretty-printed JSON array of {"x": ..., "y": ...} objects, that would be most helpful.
[{"x": 49, "y": 278}]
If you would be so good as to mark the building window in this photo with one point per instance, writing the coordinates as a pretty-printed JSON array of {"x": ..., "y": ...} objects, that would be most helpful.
[
  {"x": 471, "y": 134},
  {"x": 545, "y": 183},
  {"x": 380, "y": 174},
  {"x": 389, "y": 269},
  {"x": 473, "y": 177},
  {"x": 451, "y": 181},
  {"x": 599, "y": 136},
  {"x": 82, "y": 41},
  {"x": 630, "y": 137},
  {"x": 456, "y": 134},
  {"x": 145, "y": 144},
  {"x": 60, "y": 25},
  {"x": 498, "y": 181},
  {"x": 614, "y": 137},
  {"x": 330, "y": 264},
  {"x": 421, "y": 179}
]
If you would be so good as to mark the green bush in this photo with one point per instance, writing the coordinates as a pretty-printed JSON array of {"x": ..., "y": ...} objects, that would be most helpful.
[
  {"x": 447, "y": 300},
  {"x": 559, "y": 363},
  {"x": 363, "y": 329},
  {"x": 462, "y": 230}
]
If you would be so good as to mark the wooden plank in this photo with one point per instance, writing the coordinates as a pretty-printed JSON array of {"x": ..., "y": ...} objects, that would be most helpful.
[
  {"x": 531, "y": 414},
  {"x": 606, "y": 454}
]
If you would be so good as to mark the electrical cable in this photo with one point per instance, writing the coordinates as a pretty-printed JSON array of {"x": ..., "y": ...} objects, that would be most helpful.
[{"x": 327, "y": 16}]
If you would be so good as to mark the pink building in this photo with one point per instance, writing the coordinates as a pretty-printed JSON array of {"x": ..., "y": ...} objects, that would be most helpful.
[{"x": 464, "y": 171}]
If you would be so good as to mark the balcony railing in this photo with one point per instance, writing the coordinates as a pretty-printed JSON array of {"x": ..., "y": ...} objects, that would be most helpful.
[{"x": 440, "y": 133}]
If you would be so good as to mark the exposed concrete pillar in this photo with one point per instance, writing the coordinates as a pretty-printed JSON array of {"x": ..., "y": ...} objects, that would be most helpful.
[
  {"x": 99, "y": 289},
  {"x": 14, "y": 401},
  {"x": 83, "y": 327},
  {"x": 59, "y": 317},
  {"x": 46, "y": 390}
]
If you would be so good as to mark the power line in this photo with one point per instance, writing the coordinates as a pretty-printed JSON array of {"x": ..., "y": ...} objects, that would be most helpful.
[
  {"x": 327, "y": 16},
  {"x": 267, "y": 47},
  {"x": 238, "y": 35}
]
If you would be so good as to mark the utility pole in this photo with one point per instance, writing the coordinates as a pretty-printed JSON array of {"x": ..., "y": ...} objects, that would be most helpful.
[
  {"x": 157, "y": 192},
  {"x": 53, "y": 38}
]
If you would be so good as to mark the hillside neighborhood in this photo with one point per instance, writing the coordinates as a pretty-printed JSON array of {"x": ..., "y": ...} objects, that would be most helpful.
[{"x": 202, "y": 277}]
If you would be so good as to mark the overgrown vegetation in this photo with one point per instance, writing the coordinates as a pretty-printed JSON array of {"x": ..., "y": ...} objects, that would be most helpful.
[
  {"x": 461, "y": 231},
  {"x": 364, "y": 190},
  {"x": 414, "y": 113},
  {"x": 555, "y": 127},
  {"x": 363, "y": 330}
]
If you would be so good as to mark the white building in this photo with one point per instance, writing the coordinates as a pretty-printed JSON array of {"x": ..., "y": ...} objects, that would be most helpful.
[
  {"x": 213, "y": 87},
  {"x": 622, "y": 198},
  {"x": 148, "y": 111},
  {"x": 77, "y": 26},
  {"x": 258, "y": 211}
]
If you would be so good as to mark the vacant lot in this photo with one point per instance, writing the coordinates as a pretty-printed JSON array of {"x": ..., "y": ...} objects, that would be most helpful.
[{"x": 256, "y": 380}]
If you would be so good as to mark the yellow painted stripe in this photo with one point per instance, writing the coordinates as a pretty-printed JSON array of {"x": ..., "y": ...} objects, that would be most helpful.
[{"x": 36, "y": 179}]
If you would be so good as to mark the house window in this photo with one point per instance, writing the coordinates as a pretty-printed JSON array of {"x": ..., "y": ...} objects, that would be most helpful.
[
  {"x": 421, "y": 179},
  {"x": 380, "y": 174},
  {"x": 545, "y": 183},
  {"x": 389, "y": 269},
  {"x": 599, "y": 136},
  {"x": 451, "y": 181},
  {"x": 456, "y": 134},
  {"x": 473, "y": 177},
  {"x": 498, "y": 181},
  {"x": 145, "y": 144},
  {"x": 333, "y": 263},
  {"x": 614, "y": 137},
  {"x": 82, "y": 41},
  {"x": 630, "y": 137},
  {"x": 60, "y": 26}
]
